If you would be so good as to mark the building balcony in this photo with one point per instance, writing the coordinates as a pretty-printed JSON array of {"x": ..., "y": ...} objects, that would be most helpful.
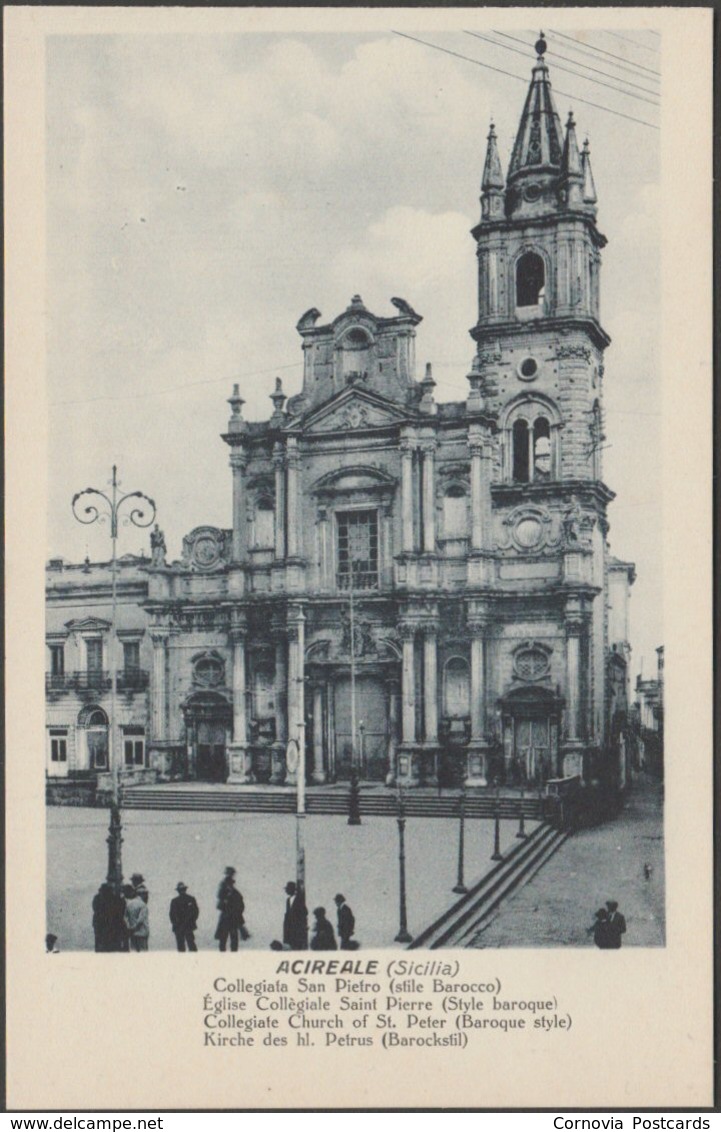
[
  {"x": 362, "y": 580},
  {"x": 128, "y": 680}
]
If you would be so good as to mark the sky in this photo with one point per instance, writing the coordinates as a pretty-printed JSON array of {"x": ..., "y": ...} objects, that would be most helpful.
[{"x": 203, "y": 191}]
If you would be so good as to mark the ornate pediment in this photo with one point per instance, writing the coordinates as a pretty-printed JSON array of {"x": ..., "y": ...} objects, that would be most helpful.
[
  {"x": 87, "y": 625},
  {"x": 353, "y": 411},
  {"x": 205, "y": 548}
]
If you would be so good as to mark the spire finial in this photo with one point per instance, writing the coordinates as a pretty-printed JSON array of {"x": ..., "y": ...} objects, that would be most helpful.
[
  {"x": 541, "y": 46},
  {"x": 236, "y": 402},
  {"x": 278, "y": 398}
]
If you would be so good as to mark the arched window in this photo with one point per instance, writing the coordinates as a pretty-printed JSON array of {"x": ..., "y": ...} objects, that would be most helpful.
[
  {"x": 96, "y": 737},
  {"x": 264, "y": 524},
  {"x": 531, "y": 439},
  {"x": 530, "y": 280},
  {"x": 455, "y": 513},
  {"x": 457, "y": 689}
]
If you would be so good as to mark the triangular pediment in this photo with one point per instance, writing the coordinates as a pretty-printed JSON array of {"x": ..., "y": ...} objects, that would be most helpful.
[
  {"x": 87, "y": 624},
  {"x": 353, "y": 410}
]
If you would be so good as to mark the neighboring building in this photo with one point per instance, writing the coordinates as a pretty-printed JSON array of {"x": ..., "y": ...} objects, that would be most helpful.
[
  {"x": 648, "y": 719},
  {"x": 434, "y": 577}
]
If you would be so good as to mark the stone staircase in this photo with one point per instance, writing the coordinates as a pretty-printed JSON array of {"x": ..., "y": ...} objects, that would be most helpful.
[
  {"x": 464, "y": 920},
  {"x": 374, "y": 801}
]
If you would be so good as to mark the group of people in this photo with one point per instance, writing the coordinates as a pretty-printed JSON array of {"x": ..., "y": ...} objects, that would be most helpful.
[
  {"x": 121, "y": 920},
  {"x": 295, "y": 924},
  {"x": 609, "y": 926}
]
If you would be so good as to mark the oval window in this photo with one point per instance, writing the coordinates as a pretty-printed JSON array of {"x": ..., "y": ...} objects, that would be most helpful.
[{"x": 528, "y": 369}]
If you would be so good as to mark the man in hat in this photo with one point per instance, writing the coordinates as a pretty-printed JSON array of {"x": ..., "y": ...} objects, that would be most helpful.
[
  {"x": 141, "y": 889},
  {"x": 616, "y": 923},
  {"x": 136, "y": 919},
  {"x": 346, "y": 923},
  {"x": 230, "y": 922},
  {"x": 295, "y": 920},
  {"x": 184, "y": 917}
]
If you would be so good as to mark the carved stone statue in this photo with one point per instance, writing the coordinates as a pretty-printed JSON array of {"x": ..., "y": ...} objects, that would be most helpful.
[
  {"x": 577, "y": 525},
  {"x": 157, "y": 546}
]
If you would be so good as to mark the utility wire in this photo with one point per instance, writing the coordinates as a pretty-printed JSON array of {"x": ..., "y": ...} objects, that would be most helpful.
[
  {"x": 560, "y": 67},
  {"x": 176, "y": 388},
  {"x": 635, "y": 42},
  {"x": 523, "y": 79},
  {"x": 631, "y": 67},
  {"x": 601, "y": 51},
  {"x": 575, "y": 62}
]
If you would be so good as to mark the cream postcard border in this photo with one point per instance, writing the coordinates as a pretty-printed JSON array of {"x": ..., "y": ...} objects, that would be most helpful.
[{"x": 118, "y": 1035}]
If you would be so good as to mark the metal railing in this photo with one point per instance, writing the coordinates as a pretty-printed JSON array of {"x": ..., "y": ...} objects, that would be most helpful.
[
  {"x": 362, "y": 580},
  {"x": 129, "y": 680}
]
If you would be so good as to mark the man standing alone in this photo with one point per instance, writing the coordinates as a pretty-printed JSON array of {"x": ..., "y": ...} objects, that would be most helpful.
[
  {"x": 184, "y": 917},
  {"x": 346, "y": 924}
]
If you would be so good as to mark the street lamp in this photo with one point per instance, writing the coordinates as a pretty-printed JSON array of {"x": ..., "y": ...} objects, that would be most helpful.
[
  {"x": 404, "y": 936},
  {"x": 100, "y": 507},
  {"x": 459, "y": 886},
  {"x": 497, "y": 855},
  {"x": 521, "y": 819}
]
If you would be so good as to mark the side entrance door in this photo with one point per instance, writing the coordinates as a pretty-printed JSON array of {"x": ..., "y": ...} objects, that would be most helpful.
[
  {"x": 211, "y": 765},
  {"x": 533, "y": 748}
]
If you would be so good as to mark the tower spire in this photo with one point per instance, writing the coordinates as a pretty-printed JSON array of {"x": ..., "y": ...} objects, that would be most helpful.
[
  {"x": 589, "y": 188},
  {"x": 571, "y": 180},
  {"x": 492, "y": 182},
  {"x": 536, "y": 158}
]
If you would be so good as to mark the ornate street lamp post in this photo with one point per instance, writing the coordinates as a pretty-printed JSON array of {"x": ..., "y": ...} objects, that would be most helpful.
[
  {"x": 404, "y": 936},
  {"x": 497, "y": 855},
  {"x": 460, "y": 886},
  {"x": 90, "y": 506},
  {"x": 521, "y": 819}
]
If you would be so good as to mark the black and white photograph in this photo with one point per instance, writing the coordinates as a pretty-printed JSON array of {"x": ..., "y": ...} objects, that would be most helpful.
[
  {"x": 359, "y": 609},
  {"x": 359, "y": 402}
]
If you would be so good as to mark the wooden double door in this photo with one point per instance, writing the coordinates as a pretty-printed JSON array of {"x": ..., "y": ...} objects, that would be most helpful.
[{"x": 531, "y": 741}]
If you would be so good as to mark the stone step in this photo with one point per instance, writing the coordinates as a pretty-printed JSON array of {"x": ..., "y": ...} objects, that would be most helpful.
[
  {"x": 465, "y": 919},
  {"x": 372, "y": 803}
]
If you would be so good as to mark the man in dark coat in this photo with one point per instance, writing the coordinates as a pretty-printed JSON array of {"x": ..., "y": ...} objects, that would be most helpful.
[
  {"x": 346, "y": 924},
  {"x": 108, "y": 920},
  {"x": 230, "y": 921},
  {"x": 616, "y": 923},
  {"x": 295, "y": 920},
  {"x": 602, "y": 933},
  {"x": 323, "y": 938},
  {"x": 184, "y": 917}
]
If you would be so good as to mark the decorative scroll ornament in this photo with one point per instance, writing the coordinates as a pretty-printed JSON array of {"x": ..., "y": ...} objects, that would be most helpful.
[
  {"x": 204, "y": 548},
  {"x": 574, "y": 352},
  {"x": 528, "y": 530}
]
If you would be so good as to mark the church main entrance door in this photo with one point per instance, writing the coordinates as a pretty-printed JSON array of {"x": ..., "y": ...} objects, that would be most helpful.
[
  {"x": 371, "y": 728},
  {"x": 532, "y": 749},
  {"x": 208, "y": 722}
]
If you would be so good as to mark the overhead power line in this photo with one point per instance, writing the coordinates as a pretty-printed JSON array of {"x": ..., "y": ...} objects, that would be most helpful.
[
  {"x": 635, "y": 42},
  {"x": 176, "y": 388},
  {"x": 560, "y": 67},
  {"x": 601, "y": 51},
  {"x": 632, "y": 68},
  {"x": 524, "y": 79},
  {"x": 576, "y": 63}
]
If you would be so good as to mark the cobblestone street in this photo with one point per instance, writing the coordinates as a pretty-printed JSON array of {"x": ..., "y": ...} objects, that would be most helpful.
[{"x": 605, "y": 863}]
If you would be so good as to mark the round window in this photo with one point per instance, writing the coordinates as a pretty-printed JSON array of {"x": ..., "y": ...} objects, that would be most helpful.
[
  {"x": 531, "y": 664},
  {"x": 532, "y": 193},
  {"x": 528, "y": 369}
]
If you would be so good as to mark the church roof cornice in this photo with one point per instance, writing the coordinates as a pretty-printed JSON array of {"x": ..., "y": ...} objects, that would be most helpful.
[{"x": 531, "y": 223}]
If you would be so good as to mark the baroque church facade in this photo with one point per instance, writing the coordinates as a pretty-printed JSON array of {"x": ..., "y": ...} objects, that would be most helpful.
[{"x": 416, "y": 591}]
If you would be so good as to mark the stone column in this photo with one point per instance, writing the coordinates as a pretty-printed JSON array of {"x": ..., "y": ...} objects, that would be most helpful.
[
  {"x": 296, "y": 676},
  {"x": 429, "y": 497},
  {"x": 279, "y": 464},
  {"x": 294, "y": 510},
  {"x": 319, "y": 769},
  {"x": 478, "y": 746},
  {"x": 573, "y": 742},
  {"x": 408, "y": 685},
  {"x": 392, "y": 709},
  {"x": 238, "y": 462},
  {"x": 159, "y": 696},
  {"x": 407, "y": 449},
  {"x": 277, "y": 772},
  {"x": 475, "y": 445},
  {"x": 240, "y": 768},
  {"x": 430, "y": 684},
  {"x": 486, "y": 499}
]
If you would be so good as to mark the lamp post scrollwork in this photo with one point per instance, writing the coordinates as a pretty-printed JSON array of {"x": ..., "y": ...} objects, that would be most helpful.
[{"x": 91, "y": 506}]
